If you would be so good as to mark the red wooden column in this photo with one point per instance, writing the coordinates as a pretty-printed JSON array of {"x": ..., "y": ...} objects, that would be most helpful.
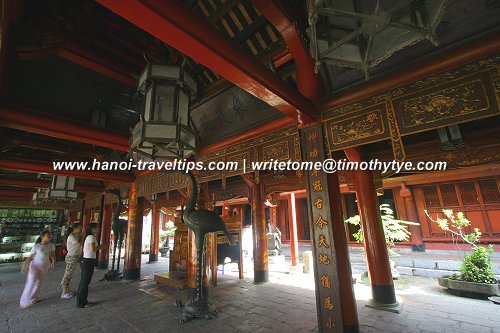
[
  {"x": 103, "y": 259},
  {"x": 192, "y": 258},
  {"x": 99, "y": 223},
  {"x": 327, "y": 278},
  {"x": 377, "y": 255},
  {"x": 73, "y": 216},
  {"x": 132, "y": 265},
  {"x": 87, "y": 218},
  {"x": 260, "y": 254},
  {"x": 155, "y": 232},
  {"x": 273, "y": 213},
  {"x": 417, "y": 243},
  {"x": 81, "y": 215},
  {"x": 294, "y": 242},
  {"x": 161, "y": 220},
  {"x": 348, "y": 299}
]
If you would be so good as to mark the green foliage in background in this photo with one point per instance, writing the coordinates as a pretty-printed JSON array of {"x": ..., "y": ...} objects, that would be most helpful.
[
  {"x": 477, "y": 266},
  {"x": 395, "y": 230}
]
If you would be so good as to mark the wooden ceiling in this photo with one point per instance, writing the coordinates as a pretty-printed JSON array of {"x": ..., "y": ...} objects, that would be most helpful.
[
  {"x": 86, "y": 27},
  {"x": 72, "y": 57}
]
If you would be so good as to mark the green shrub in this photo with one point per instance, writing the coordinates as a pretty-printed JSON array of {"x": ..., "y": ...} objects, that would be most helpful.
[
  {"x": 394, "y": 230},
  {"x": 477, "y": 267}
]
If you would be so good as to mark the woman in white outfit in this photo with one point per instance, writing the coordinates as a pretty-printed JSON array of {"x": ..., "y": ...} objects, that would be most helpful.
[
  {"x": 90, "y": 247},
  {"x": 42, "y": 257}
]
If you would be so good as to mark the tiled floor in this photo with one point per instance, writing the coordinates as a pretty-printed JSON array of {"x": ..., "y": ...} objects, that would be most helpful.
[{"x": 286, "y": 304}]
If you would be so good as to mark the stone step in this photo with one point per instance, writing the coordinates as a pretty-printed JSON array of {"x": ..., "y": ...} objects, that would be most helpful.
[
  {"x": 427, "y": 272},
  {"x": 450, "y": 265},
  {"x": 425, "y": 263}
]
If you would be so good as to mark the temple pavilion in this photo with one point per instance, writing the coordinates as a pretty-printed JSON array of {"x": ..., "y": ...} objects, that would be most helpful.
[{"x": 229, "y": 83}]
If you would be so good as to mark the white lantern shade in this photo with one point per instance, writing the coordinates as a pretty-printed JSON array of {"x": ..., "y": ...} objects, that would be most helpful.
[
  {"x": 62, "y": 188},
  {"x": 165, "y": 129}
]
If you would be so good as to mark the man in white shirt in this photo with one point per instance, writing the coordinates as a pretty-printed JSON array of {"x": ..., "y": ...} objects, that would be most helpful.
[{"x": 74, "y": 247}]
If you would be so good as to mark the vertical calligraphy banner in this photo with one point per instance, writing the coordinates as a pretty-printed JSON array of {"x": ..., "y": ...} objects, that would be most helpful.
[{"x": 328, "y": 302}]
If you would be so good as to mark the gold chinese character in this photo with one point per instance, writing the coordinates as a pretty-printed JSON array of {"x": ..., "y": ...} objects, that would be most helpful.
[
  {"x": 313, "y": 153},
  {"x": 328, "y": 304},
  {"x": 330, "y": 323},
  {"x": 317, "y": 186},
  {"x": 322, "y": 241},
  {"x": 315, "y": 172},
  {"x": 325, "y": 281},
  {"x": 318, "y": 203},
  {"x": 312, "y": 136},
  {"x": 323, "y": 259},
  {"x": 320, "y": 222}
]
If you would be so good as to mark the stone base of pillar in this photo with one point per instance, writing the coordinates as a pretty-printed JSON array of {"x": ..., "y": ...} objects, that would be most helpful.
[
  {"x": 395, "y": 307},
  {"x": 418, "y": 247},
  {"x": 351, "y": 329},
  {"x": 153, "y": 257},
  {"x": 260, "y": 276},
  {"x": 384, "y": 298},
  {"x": 132, "y": 274},
  {"x": 102, "y": 264},
  {"x": 384, "y": 294}
]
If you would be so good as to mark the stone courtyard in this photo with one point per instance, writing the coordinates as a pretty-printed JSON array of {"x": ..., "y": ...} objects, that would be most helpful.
[{"x": 285, "y": 304}]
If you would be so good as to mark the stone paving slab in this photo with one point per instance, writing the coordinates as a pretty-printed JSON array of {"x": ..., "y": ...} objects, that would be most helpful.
[{"x": 286, "y": 304}]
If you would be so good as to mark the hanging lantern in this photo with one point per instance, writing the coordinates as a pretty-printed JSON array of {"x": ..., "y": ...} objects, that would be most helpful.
[
  {"x": 62, "y": 188},
  {"x": 361, "y": 34},
  {"x": 165, "y": 130},
  {"x": 40, "y": 195}
]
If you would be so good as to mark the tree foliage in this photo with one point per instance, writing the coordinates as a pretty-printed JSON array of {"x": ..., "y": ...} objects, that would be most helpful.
[
  {"x": 395, "y": 230},
  {"x": 477, "y": 266}
]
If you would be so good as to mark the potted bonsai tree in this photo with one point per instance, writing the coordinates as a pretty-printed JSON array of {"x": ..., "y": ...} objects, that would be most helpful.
[
  {"x": 476, "y": 276},
  {"x": 395, "y": 231}
]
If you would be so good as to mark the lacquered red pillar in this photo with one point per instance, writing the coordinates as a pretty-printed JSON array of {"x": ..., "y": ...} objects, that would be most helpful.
[
  {"x": 73, "y": 216},
  {"x": 260, "y": 253},
  {"x": 132, "y": 265},
  {"x": 103, "y": 260},
  {"x": 377, "y": 255},
  {"x": 87, "y": 218},
  {"x": 155, "y": 232},
  {"x": 292, "y": 220},
  {"x": 348, "y": 298},
  {"x": 81, "y": 214},
  {"x": 416, "y": 238}
]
